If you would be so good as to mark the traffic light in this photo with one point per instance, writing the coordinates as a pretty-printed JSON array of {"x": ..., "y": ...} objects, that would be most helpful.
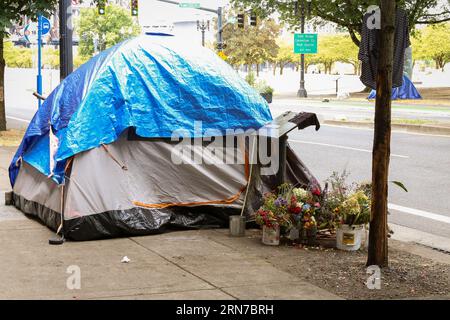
[
  {"x": 134, "y": 7},
  {"x": 101, "y": 7},
  {"x": 240, "y": 20},
  {"x": 253, "y": 20}
]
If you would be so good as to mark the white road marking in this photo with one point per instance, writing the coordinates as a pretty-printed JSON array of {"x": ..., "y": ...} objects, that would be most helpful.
[
  {"x": 18, "y": 119},
  {"x": 342, "y": 147},
  {"x": 393, "y": 130},
  {"x": 420, "y": 213}
]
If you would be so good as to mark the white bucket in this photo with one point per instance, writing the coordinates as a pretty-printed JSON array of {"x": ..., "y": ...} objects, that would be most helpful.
[
  {"x": 349, "y": 238},
  {"x": 271, "y": 236}
]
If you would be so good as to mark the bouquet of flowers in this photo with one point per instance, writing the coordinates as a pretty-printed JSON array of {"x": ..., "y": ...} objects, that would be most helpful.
[
  {"x": 273, "y": 212},
  {"x": 355, "y": 210},
  {"x": 305, "y": 208},
  {"x": 348, "y": 204}
]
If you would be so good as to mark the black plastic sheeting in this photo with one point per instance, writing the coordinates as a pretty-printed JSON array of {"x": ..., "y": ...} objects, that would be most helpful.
[{"x": 132, "y": 222}]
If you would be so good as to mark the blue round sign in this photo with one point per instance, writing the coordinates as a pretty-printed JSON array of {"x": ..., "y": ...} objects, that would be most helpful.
[{"x": 45, "y": 25}]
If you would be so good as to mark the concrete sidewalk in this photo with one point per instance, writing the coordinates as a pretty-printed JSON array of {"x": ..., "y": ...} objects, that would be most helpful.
[
  {"x": 6, "y": 154},
  {"x": 205, "y": 264},
  {"x": 199, "y": 264}
]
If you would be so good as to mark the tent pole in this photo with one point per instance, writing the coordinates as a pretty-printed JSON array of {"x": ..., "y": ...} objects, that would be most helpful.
[
  {"x": 250, "y": 174},
  {"x": 59, "y": 240}
]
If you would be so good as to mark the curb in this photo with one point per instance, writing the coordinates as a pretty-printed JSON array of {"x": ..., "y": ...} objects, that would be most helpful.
[{"x": 415, "y": 128}]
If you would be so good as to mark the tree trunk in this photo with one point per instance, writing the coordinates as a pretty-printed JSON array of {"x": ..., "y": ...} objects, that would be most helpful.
[
  {"x": 378, "y": 241},
  {"x": 274, "y": 68},
  {"x": 257, "y": 69},
  {"x": 2, "y": 86},
  {"x": 281, "y": 69}
]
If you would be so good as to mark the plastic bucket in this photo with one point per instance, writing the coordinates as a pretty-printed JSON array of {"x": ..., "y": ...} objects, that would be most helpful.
[
  {"x": 349, "y": 238},
  {"x": 237, "y": 226},
  {"x": 271, "y": 236},
  {"x": 294, "y": 234}
]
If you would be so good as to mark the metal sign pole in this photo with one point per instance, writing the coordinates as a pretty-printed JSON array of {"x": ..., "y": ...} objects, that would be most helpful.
[
  {"x": 219, "y": 29},
  {"x": 302, "y": 91},
  {"x": 39, "y": 75}
]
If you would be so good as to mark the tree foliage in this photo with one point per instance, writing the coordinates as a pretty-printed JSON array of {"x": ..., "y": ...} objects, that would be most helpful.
[
  {"x": 285, "y": 56},
  {"x": 433, "y": 43},
  {"x": 251, "y": 45},
  {"x": 347, "y": 51},
  {"x": 347, "y": 13},
  {"x": 105, "y": 30},
  {"x": 14, "y": 10}
]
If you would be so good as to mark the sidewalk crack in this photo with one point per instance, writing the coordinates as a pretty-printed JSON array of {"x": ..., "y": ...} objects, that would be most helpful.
[{"x": 184, "y": 269}]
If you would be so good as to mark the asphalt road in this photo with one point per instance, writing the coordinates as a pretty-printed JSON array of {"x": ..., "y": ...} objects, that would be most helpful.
[
  {"x": 361, "y": 110},
  {"x": 420, "y": 162}
]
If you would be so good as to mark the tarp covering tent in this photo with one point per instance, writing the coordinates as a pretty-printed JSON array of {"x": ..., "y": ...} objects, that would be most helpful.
[
  {"x": 97, "y": 158},
  {"x": 406, "y": 91}
]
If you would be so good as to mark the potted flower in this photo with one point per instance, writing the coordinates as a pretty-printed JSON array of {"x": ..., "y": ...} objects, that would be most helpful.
[
  {"x": 305, "y": 208},
  {"x": 272, "y": 216},
  {"x": 264, "y": 90}
]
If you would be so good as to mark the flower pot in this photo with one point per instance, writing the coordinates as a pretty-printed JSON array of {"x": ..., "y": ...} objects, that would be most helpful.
[
  {"x": 309, "y": 236},
  {"x": 349, "y": 238},
  {"x": 271, "y": 236},
  {"x": 267, "y": 96}
]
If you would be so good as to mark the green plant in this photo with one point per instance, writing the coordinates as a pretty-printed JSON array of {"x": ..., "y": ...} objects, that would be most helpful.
[
  {"x": 79, "y": 60},
  {"x": 262, "y": 87},
  {"x": 17, "y": 57},
  {"x": 251, "y": 78},
  {"x": 99, "y": 32},
  {"x": 50, "y": 58}
]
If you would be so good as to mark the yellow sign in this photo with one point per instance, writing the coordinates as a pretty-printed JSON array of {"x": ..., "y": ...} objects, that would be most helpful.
[
  {"x": 222, "y": 55},
  {"x": 348, "y": 239}
]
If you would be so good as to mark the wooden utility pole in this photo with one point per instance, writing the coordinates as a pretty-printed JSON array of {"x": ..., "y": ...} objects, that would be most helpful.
[{"x": 378, "y": 241}]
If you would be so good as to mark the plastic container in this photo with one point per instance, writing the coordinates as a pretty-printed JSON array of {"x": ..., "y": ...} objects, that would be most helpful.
[
  {"x": 349, "y": 238},
  {"x": 237, "y": 226},
  {"x": 271, "y": 236}
]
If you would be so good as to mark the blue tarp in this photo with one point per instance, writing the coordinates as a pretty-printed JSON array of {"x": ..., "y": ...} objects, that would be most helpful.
[
  {"x": 153, "y": 83},
  {"x": 406, "y": 91}
]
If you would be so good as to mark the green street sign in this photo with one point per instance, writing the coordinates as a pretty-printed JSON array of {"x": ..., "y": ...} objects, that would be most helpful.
[
  {"x": 189, "y": 5},
  {"x": 305, "y": 43}
]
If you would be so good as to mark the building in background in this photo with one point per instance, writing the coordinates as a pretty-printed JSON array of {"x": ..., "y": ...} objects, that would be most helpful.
[{"x": 157, "y": 16}]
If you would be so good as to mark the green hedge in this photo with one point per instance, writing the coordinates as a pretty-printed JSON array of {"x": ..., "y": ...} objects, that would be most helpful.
[
  {"x": 21, "y": 57},
  {"x": 17, "y": 57}
]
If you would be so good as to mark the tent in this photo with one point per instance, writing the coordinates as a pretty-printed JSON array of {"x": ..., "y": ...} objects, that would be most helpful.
[
  {"x": 406, "y": 91},
  {"x": 97, "y": 158}
]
